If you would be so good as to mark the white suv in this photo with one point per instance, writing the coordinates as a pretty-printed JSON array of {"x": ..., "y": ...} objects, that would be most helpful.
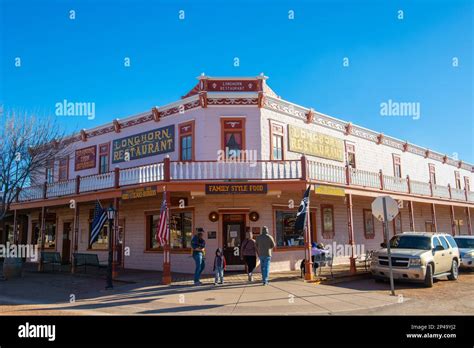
[{"x": 418, "y": 256}]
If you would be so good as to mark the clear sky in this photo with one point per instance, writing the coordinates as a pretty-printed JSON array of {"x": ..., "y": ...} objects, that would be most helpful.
[{"x": 403, "y": 60}]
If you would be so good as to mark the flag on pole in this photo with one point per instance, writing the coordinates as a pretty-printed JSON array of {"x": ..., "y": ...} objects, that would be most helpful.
[
  {"x": 98, "y": 221},
  {"x": 301, "y": 215},
  {"x": 162, "y": 230}
]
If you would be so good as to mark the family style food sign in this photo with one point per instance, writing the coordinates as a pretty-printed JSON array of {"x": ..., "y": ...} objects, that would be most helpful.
[
  {"x": 85, "y": 158},
  {"x": 150, "y": 143},
  {"x": 236, "y": 189},
  {"x": 315, "y": 144}
]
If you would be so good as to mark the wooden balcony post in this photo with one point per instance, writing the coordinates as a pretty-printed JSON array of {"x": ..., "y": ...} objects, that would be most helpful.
[
  {"x": 408, "y": 184},
  {"x": 78, "y": 184},
  {"x": 45, "y": 189},
  {"x": 381, "y": 179},
  {"x": 116, "y": 177},
  {"x": 453, "y": 224},
  {"x": 167, "y": 169},
  {"x": 469, "y": 225},
  {"x": 466, "y": 193},
  {"x": 433, "y": 217},
  {"x": 431, "y": 188},
  {"x": 411, "y": 216},
  {"x": 17, "y": 197},
  {"x": 449, "y": 189},
  {"x": 75, "y": 236},
  {"x": 350, "y": 230},
  {"x": 304, "y": 168},
  {"x": 348, "y": 174}
]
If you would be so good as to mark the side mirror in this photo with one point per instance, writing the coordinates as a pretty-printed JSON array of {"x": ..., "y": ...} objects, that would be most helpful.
[
  {"x": 383, "y": 245},
  {"x": 438, "y": 248}
]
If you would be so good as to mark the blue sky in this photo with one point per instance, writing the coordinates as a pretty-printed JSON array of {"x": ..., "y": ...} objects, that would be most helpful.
[{"x": 407, "y": 60}]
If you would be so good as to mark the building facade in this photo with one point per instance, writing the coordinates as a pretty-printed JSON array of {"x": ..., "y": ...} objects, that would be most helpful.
[{"x": 234, "y": 157}]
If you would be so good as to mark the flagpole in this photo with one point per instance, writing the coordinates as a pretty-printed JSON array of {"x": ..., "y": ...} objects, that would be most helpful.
[
  {"x": 166, "y": 280},
  {"x": 309, "y": 263}
]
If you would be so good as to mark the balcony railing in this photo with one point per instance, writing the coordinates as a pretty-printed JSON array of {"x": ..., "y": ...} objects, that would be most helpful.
[{"x": 306, "y": 170}]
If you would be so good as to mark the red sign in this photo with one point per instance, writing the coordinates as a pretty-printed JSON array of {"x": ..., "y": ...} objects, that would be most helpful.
[
  {"x": 85, "y": 158},
  {"x": 233, "y": 85}
]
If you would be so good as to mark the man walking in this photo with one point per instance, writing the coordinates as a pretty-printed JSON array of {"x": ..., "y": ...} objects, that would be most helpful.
[
  {"x": 198, "y": 245},
  {"x": 265, "y": 245}
]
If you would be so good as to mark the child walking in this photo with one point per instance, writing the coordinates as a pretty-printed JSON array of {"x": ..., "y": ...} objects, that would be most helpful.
[{"x": 219, "y": 267}]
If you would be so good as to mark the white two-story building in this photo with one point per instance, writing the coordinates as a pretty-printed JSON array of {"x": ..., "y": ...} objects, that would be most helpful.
[{"x": 235, "y": 157}]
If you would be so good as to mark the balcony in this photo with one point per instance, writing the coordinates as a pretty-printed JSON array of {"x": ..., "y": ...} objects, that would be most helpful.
[{"x": 204, "y": 171}]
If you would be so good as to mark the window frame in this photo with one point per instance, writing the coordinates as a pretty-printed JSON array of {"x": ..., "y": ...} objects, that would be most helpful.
[
  {"x": 183, "y": 134},
  {"x": 397, "y": 162},
  {"x": 432, "y": 173},
  {"x": 364, "y": 215},
  {"x": 284, "y": 208},
  {"x": 49, "y": 166},
  {"x": 278, "y": 130},
  {"x": 331, "y": 233},
  {"x": 240, "y": 129},
  {"x": 149, "y": 213},
  {"x": 62, "y": 167},
  {"x": 103, "y": 153},
  {"x": 350, "y": 149}
]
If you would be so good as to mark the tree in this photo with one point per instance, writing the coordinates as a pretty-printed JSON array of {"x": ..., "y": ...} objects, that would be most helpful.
[{"x": 27, "y": 144}]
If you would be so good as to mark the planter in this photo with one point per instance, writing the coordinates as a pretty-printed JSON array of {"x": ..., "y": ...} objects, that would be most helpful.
[{"x": 12, "y": 267}]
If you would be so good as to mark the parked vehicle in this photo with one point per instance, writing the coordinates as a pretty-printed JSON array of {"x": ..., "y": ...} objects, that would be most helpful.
[
  {"x": 466, "y": 251},
  {"x": 418, "y": 256}
]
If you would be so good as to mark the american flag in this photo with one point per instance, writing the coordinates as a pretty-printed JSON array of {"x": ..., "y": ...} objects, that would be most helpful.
[
  {"x": 100, "y": 217},
  {"x": 162, "y": 230}
]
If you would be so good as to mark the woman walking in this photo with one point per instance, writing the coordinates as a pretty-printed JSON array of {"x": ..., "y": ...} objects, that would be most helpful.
[{"x": 248, "y": 252}]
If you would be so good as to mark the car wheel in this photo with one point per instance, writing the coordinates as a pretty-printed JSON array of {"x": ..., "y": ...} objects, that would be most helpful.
[
  {"x": 429, "y": 276},
  {"x": 454, "y": 271}
]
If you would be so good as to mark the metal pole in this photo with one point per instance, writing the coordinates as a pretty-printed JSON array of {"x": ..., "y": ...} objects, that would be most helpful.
[
  {"x": 109, "y": 265},
  {"x": 389, "y": 253},
  {"x": 307, "y": 227}
]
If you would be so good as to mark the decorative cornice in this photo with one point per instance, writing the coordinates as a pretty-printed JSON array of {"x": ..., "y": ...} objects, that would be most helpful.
[{"x": 232, "y": 101}]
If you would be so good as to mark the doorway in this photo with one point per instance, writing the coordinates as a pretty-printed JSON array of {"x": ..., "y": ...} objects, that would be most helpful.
[
  {"x": 233, "y": 235},
  {"x": 66, "y": 252}
]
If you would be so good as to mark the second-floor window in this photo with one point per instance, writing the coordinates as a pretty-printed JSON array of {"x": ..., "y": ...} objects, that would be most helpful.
[
  {"x": 50, "y": 172},
  {"x": 276, "y": 141},
  {"x": 233, "y": 137},
  {"x": 104, "y": 157},
  {"x": 457, "y": 179},
  {"x": 397, "y": 166},
  {"x": 63, "y": 173},
  {"x": 466, "y": 183},
  {"x": 432, "y": 169},
  {"x": 186, "y": 141},
  {"x": 350, "y": 155}
]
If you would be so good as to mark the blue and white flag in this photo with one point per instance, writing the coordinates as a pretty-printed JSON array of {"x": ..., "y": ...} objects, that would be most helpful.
[
  {"x": 100, "y": 217},
  {"x": 301, "y": 215}
]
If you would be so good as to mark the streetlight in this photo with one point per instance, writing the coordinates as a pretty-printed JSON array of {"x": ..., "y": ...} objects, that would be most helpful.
[{"x": 111, "y": 218}]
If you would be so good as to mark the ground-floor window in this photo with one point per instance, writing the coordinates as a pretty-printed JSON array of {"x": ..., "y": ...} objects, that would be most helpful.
[
  {"x": 102, "y": 242},
  {"x": 49, "y": 235},
  {"x": 181, "y": 230},
  {"x": 285, "y": 229},
  {"x": 458, "y": 224},
  {"x": 327, "y": 219}
]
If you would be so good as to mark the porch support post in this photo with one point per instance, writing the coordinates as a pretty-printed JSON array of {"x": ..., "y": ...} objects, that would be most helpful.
[
  {"x": 308, "y": 275},
  {"x": 166, "y": 249},
  {"x": 350, "y": 230},
  {"x": 411, "y": 216},
  {"x": 42, "y": 236},
  {"x": 469, "y": 224},
  {"x": 453, "y": 225},
  {"x": 75, "y": 236},
  {"x": 115, "y": 240},
  {"x": 433, "y": 217}
]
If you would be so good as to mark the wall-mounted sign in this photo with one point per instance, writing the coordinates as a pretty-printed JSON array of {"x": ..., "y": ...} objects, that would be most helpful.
[
  {"x": 150, "y": 143},
  {"x": 141, "y": 192},
  {"x": 85, "y": 158},
  {"x": 315, "y": 144},
  {"x": 211, "y": 235},
  {"x": 329, "y": 190},
  {"x": 232, "y": 85},
  {"x": 212, "y": 189}
]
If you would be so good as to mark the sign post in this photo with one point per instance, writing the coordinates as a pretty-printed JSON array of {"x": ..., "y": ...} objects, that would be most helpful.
[{"x": 385, "y": 208}]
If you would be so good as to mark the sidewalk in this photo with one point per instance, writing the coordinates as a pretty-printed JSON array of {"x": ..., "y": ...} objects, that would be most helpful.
[{"x": 138, "y": 292}]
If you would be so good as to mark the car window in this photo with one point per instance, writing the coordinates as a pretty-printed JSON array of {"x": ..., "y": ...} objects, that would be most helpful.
[
  {"x": 452, "y": 241},
  {"x": 444, "y": 242},
  {"x": 410, "y": 242},
  {"x": 465, "y": 243},
  {"x": 436, "y": 242}
]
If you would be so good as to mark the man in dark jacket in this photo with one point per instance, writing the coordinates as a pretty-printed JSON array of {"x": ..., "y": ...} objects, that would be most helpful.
[{"x": 198, "y": 245}]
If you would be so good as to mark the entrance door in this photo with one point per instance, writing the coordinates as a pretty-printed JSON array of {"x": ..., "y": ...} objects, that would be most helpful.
[
  {"x": 66, "y": 252},
  {"x": 234, "y": 234}
]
